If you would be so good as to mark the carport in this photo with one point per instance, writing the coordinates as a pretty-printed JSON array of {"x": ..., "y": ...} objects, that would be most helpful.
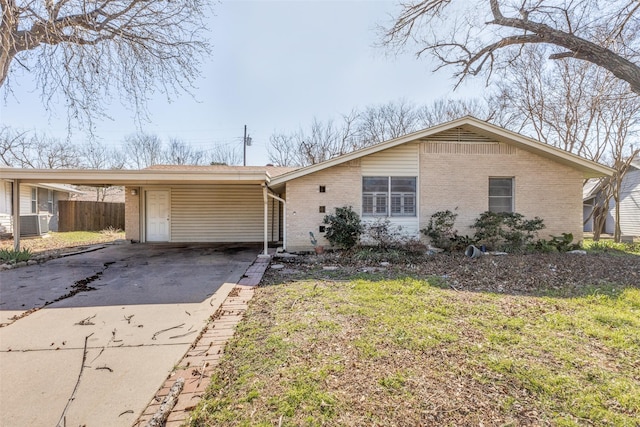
[{"x": 214, "y": 204}]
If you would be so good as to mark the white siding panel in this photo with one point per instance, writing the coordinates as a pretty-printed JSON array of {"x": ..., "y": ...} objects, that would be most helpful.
[
  {"x": 228, "y": 213},
  {"x": 25, "y": 199},
  {"x": 403, "y": 160},
  {"x": 398, "y": 161},
  {"x": 6, "y": 225},
  {"x": 5, "y": 197},
  {"x": 407, "y": 227},
  {"x": 630, "y": 204}
]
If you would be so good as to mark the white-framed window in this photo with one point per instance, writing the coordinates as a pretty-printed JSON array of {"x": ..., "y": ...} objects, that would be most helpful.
[
  {"x": 501, "y": 194},
  {"x": 34, "y": 200},
  {"x": 50, "y": 201},
  {"x": 389, "y": 196}
]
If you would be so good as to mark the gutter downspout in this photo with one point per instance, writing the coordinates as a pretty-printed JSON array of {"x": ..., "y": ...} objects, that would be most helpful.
[
  {"x": 284, "y": 220},
  {"x": 266, "y": 221},
  {"x": 16, "y": 215}
]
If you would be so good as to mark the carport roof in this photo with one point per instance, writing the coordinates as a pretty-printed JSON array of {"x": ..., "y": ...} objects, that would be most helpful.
[{"x": 156, "y": 175}]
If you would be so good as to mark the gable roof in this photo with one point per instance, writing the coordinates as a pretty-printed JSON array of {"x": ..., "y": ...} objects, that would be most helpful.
[{"x": 492, "y": 132}]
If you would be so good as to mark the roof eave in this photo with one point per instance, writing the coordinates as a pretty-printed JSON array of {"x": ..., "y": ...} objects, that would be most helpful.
[{"x": 132, "y": 177}]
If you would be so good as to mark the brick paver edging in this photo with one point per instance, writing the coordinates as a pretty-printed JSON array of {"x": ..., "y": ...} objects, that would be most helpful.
[{"x": 206, "y": 351}]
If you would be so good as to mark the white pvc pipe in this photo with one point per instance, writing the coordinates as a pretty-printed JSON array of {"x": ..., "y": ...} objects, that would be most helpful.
[
  {"x": 266, "y": 221},
  {"x": 284, "y": 219},
  {"x": 16, "y": 215}
]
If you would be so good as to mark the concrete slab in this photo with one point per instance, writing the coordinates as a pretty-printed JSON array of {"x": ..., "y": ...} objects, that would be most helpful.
[{"x": 149, "y": 305}]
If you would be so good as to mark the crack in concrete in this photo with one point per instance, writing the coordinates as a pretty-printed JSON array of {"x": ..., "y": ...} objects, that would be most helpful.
[
  {"x": 78, "y": 286},
  {"x": 29, "y": 350}
]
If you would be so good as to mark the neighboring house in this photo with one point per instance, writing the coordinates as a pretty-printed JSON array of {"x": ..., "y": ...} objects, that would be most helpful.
[
  {"x": 466, "y": 164},
  {"x": 38, "y": 207},
  {"x": 593, "y": 199}
]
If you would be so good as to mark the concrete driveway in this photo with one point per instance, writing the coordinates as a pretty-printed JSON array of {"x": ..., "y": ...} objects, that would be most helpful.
[{"x": 97, "y": 357}]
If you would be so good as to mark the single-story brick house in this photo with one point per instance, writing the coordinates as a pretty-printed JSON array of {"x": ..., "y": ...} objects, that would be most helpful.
[{"x": 466, "y": 164}]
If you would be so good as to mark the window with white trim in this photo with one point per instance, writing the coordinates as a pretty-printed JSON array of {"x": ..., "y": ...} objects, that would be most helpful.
[
  {"x": 34, "y": 200},
  {"x": 389, "y": 196},
  {"x": 501, "y": 194}
]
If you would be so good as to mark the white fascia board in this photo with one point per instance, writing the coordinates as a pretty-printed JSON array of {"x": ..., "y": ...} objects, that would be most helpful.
[{"x": 132, "y": 177}]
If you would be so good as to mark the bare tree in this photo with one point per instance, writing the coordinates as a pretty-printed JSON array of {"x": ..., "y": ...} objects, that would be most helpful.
[
  {"x": 224, "y": 155},
  {"x": 618, "y": 125},
  {"x": 143, "y": 150},
  {"x": 94, "y": 155},
  {"x": 380, "y": 123},
  {"x": 575, "y": 106},
  {"x": 180, "y": 153},
  {"x": 14, "y": 147},
  {"x": 559, "y": 103},
  {"x": 445, "y": 110},
  {"x": 86, "y": 50},
  {"x": 458, "y": 33},
  {"x": 377, "y": 123},
  {"x": 322, "y": 141},
  {"x": 283, "y": 150},
  {"x": 30, "y": 150}
]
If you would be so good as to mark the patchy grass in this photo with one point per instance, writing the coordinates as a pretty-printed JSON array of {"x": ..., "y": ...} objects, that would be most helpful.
[
  {"x": 609, "y": 246},
  {"x": 59, "y": 241},
  {"x": 405, "y": 351}
]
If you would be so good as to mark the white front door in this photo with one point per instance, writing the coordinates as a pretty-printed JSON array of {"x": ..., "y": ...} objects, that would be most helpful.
[{"x": 158, "y": 219}]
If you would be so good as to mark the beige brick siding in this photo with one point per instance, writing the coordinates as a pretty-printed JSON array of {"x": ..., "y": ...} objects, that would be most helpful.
[
  {"x": 453, "y": 178},
  {"x": 343, "y": 186},
  {"x": 132, "y": 213},
  {"x": 543, "y": 188}
]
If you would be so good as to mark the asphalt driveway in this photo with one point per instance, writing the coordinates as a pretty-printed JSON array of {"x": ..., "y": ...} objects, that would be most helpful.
[{"x": 100, "y": 331}]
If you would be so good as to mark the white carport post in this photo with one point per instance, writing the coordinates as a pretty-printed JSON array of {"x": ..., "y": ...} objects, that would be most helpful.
[
  {"x": 16, "y": 214},
  {"x": 284, "y": 219},
  {"x": 266, "y": 221}
]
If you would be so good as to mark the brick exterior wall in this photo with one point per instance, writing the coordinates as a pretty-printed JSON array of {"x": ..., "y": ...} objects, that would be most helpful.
[
  {"x": 543, "y": 188},
  {"x": 132, "y": 214},
  {"x": 343, "y": 186}
]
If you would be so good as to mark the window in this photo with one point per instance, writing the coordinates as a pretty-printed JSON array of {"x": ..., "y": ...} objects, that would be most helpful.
[
  {"x": 34, "y": 200},
  {"x": 403, "y": 196},
  {"x": 501, "y": 195},
  {"x": 322, "y": 209},
  {"x": 322, "y": 189},
  {"x": 388, "y": 196},
  {"x": 322, "y": 229},
  {"x": 50, "y": 201}
]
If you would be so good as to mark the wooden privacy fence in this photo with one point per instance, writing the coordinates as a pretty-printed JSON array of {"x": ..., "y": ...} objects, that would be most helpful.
[{"x": 74, "y": 215}]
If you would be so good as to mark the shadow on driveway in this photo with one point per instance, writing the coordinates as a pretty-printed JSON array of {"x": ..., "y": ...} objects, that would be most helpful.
[{"x": 126, "y": 274}]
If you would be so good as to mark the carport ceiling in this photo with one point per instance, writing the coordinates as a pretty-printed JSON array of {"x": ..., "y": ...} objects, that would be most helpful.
[{"x": 133, "y": 177}]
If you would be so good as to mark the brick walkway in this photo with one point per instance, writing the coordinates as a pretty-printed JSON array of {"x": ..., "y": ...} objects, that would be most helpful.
[{"x": 199, "y": 362}]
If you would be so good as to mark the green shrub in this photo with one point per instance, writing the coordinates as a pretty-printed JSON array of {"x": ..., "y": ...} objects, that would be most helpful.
[
  {"x": 564, "y": 243},
  {"x": 442, "y": 233},
  {"x": 11, "y": 255},
  {"x": 344, "y": 228},
  {"x": 506, "y": 230},
  {"x": 440, "y": 229}
]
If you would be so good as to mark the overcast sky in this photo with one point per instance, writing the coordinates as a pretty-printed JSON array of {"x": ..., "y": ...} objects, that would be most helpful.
[{"x": 275, "y": 66}]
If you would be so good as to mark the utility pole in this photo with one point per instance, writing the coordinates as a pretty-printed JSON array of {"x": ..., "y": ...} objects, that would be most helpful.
[{"x": 246, "y": 141}]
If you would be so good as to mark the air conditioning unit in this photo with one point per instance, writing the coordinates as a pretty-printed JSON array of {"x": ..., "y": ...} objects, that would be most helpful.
[{"x": 34, "y": 225}]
